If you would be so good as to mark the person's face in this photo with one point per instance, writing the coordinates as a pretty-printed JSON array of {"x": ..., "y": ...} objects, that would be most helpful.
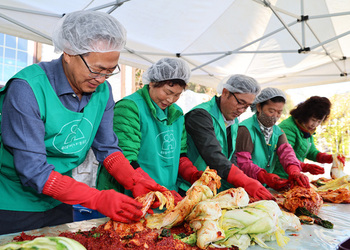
[
  {"x": 312, "y": 123},
  {"x": 165, "y": 95},
  {"x": 231, "y": 107},
  {"x": 79, "y": 75},
  {"x": 271, "y": 110}
]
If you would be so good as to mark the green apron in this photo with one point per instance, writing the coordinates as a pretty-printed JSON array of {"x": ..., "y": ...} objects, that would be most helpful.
[
  {"x": 220, "y": 131},
  {"x": 263, "y": 154},
  {"x": 68, "y": 137},
  {"x": 160, "y": 147}
]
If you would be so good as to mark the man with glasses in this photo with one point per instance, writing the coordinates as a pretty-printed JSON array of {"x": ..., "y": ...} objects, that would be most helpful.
[
  {"x": 212, "y": 130},
  {"x": 52, "y": 114}
]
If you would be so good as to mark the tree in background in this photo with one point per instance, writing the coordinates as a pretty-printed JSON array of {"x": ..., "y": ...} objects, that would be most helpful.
[{"x": 333, "y": 136}]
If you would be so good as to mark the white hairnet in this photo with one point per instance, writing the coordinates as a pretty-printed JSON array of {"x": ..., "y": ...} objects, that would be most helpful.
[
  {"x": 82, "y": 32},
  {"x": 267, "y": 94},
  {"x": 239, "y": 84},
  {"x": 167, "y": 69}
]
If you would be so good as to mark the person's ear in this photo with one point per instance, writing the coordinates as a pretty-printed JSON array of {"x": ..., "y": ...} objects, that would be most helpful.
[
  {"x": 225, "y": 92},
  {"x": 258, "y": 107},
  {"x": 67, "y": 58}
]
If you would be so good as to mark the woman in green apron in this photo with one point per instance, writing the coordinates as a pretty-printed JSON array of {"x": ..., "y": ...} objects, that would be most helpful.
[
  {"x": 300, "y": 128},
  {"x": 51, "y": 114},
  {"x": 260, "y": 142},
  {"x": 150, "y": 128}
]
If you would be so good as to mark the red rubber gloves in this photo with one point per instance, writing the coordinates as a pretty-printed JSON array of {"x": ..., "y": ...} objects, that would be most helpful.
[
  {"x": 295, "y": 176},
  {"x": 177, "y": 197},
  {"x": 187, "y": 171},
  {"x": 117, "y": 206},
  {"x": 272, "y": 180},
  {"x": 311, "y": 168},
  {"x": 119, "y": 167},
  {"x": 253, "y": 187},
  {"x": 341, "y": 158},
  {"x": 324, "y": 158}
]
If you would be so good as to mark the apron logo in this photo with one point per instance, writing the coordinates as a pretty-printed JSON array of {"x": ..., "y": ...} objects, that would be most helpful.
[
  {"x": 168, "y": 144},
  {"x": 73, "y": 136}
]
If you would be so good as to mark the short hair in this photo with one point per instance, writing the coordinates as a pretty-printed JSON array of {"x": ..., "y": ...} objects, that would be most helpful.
[{"x": 316, "y": 106}]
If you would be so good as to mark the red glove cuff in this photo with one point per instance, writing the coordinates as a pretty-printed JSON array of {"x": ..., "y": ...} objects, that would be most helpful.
[
  {"x": 261, "y": 176},
  {"x": 188, "y": 171}
]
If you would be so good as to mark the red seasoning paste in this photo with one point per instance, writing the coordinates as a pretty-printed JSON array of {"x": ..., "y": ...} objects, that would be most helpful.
[{"x": 99, "y": 238}]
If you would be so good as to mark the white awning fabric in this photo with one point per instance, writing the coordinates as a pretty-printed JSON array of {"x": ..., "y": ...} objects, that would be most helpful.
[{"x": 281, "y": 43}]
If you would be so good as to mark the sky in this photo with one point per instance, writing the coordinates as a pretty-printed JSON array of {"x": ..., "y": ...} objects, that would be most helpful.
[{"x": 327, "y": 90}]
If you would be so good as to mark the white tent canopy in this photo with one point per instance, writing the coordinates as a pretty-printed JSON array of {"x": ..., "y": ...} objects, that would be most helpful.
[{"x": 282, "y": 43}]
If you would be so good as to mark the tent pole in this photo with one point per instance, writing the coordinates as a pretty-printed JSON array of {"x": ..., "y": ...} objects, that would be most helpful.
[
  {"x": 283, "y": 23},
  {"x": 324, "y": 48},
  {"x": 330, "y": 40},
  {"x": 302, "y": 23},
  {"x": 330, "y": 15},
  {"x": 25, "y": 26},
  {"x": 30, "y": 11},
  {"x": 131, "y": 51},
  {"x": 116, "y": 3}
]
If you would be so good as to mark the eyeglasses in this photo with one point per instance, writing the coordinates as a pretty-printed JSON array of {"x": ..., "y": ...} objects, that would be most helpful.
[
  {"x": 96, "y": 75},
  {"x": 244, "y": 106}
]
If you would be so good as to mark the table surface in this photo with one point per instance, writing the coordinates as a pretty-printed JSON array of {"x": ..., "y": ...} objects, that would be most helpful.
[{"x": 311, "y": 236}]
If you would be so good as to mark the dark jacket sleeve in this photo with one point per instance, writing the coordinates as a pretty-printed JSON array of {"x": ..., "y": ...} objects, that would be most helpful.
[{"x": 199, "y": 125}]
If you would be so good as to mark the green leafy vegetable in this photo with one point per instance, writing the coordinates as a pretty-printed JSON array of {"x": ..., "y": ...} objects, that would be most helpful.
[
  {"x": 324, "y": 223},
  {"x": 190, "y": 240}
]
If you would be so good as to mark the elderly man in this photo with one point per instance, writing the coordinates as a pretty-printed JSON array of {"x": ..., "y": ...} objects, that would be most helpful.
[
  {"x": 212, "y": 129},
  {"x": 260, "y": 142},
  {"x": 52, "y": 113}
]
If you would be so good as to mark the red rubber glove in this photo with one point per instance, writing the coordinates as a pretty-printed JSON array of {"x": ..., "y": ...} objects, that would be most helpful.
[
  {"x": 188, "y": 171},
  {"x": 117, "y": 206},
  {"x": 295, "y": 176},
  {"x": 177, "y": 196},
  {"x": 324, "y": 158},
  {"x": 119, "y": 167},
  {"x": 253, "y": 187},
  {"x": 311, "y": 168},
  {"x": 341, "y": 158},
  {"x": 272, "y": 180}
]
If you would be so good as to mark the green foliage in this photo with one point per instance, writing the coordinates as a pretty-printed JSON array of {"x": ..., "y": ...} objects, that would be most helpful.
[{"x": 333, "y": 135}]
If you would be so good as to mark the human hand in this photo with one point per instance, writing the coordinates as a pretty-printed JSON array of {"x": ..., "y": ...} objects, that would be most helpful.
[
  {"x": 144, "y": 186},
  {"x": 311, "y": 168},
  {"x": 177, "y": 196},
  {"x": 324, "y": 158},
  {"x": 118, "y": 206},
  {"x": 188, "y": 171},
  {"x": 272, "y": 180},
  {"x": 115, "y": 205},
  {"x": 341, "y": 158},
  {"x": 253, "y": 187},
  {"x": 295, "y": 176}
]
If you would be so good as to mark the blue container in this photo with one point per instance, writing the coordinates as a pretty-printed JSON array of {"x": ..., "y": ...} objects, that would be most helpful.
[{"x": 82, "y": 213}]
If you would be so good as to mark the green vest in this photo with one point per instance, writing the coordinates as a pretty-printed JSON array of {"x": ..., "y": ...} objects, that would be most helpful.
[
  {"x": 263, "y": 154},
  {"x": 68, "y": 137},
  {"x": 220, "y": 131},
  {"x": 160, "y": 147}
]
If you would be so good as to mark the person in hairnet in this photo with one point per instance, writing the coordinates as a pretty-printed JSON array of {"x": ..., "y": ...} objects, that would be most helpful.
[
  {"x": 212, "y": 130},
  {"x": 150, "y": 128},
  {"x": 299, "y": 129},
  {"x": 260, "y": 141},
  {"x": 52, "y": 113}
]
